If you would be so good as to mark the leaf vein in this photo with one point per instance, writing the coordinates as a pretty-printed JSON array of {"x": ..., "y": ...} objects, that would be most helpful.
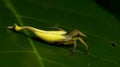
[{"x": 10, "y": 6}]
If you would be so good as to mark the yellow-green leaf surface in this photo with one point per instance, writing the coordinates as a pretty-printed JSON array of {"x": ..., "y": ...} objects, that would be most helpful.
[{"x": 19, "y": 50}]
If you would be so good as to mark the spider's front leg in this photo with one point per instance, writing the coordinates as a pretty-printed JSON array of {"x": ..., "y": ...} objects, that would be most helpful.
[
  {"x": 76, "y": 32},
  {"x": 73, "y": 41},
  {"x": 75, "y": 44},
  {"x": 83, "y": 42}
]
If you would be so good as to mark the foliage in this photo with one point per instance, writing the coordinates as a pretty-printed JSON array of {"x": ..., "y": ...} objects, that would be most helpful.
[{"x": 17, "y": 50}]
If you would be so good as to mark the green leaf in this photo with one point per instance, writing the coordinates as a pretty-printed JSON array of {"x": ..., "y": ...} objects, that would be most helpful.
[{"x": 18, "y": 50}]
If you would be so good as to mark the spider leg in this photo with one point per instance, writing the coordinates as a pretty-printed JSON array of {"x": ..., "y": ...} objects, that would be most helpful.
[
  {"x": 82, "y": 34},
  {"x": 74, "y": 44},
  {"x": 76, "y": 32},
  {"x": 74, "y": 47},
  {"x": 55, "y": 27},
  {"x": 82, "y": 41}
]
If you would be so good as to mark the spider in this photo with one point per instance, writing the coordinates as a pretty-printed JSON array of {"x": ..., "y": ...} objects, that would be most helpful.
[{"x": 59, "y": 36}]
